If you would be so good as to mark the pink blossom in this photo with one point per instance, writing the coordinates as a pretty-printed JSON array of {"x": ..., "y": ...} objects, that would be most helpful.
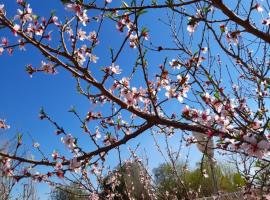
[
  {"x": 16, "y": 28},
  {"x": 97, "y": 133},
  {"x": 74, "y": 163},
  {"x": 21, "y": 45},
  {"x": 81, "y": 34},
  {"x": 3, "y": 124},
  {"x": 250, "y": 139},
  {"x": 115, "y": 69},
  {"x": 10, "y": 51},
  {"x": 204, "y": 50},
  {"x": 39, "y": 31},
  {"x": 93, "y": 58},
  {"x": 93, "y": 36},
  {"x": 60, "y": 173},
  {"x": 133, "y": 40},
  {"x": 186, "y": 111},
  {"x": 124, "y": 82},
  {"x": 191, "y": 28},
  {"x": 1, "y": 50},
  {"x": 73, "y": 7},
  {"x": 55, "y": 155},
  {"x": 170, "y": 92},
  {"x": 36, "y": 145},
  {"x": 5, "y": 41},
  {"x": 192, "y": 25},
  {"x": 20, "y": 1},
  {"x": 264, "y": 145},
  {"x": 48, "y": 67},
  {"x": 58, "y": 165},
  {"x": 94, "y": 195},
  {"x": 259, "y": 8},
  {"x": 206, "y": 97},
  {"x": 6, "y": 167},
  {"x": 2, "y": 10},
  {"x": 83, "y": 17},
  {"x": 55, "y": 21},
  {"x": 266, "y": 22},
  {"x": 69, "y": 141},
  {"x": 25, "y": 15},
  {"x": 180, "y": 98},
  {"x": 80, "y": 57},
  {"x": 205, "y": 116},
  {"x": 175, "y": 64},
  {"x": 256, "y": 125}
]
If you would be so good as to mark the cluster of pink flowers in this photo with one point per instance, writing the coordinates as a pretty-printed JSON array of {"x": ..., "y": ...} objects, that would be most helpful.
[
  {"x": 175, "y": 92},
  {"x": 24, "y": 15},
  {"x": 28, "y": 23},
  {"x": 131, "y": 95},
  {"x": 48, "y": 67},
  {"x": 74, "y": 164},
  {"x": 248, "y": 141},
  {"x": 254, "y": 147},
  {"x": 81, "y": 34},
  {"x": 193, "y": 22},
  {"x": 6, "y": 166},
  {"x": 124, "y": 21},
  {"x": 69, "y": 141},
  {"x": 80, "y": 12},
  {"x": 84, "y": 52}
]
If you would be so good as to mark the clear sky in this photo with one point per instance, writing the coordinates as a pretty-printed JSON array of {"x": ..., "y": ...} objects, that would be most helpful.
[{"x": 22, "y": 97}]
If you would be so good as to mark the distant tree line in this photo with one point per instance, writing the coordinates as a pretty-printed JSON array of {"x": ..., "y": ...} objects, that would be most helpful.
[{"x": 131, "y": 181}]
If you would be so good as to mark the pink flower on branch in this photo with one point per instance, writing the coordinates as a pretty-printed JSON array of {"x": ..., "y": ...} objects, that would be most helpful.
[
  {"x": 3, "y": 124},
  {"x": 69, "y": 141}
]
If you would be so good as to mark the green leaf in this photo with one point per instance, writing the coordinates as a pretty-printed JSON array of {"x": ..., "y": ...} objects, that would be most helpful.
[
  {"x": 65, "y": 1},
  {"x": 154, "y": 2},
  {"x": 53, "y": 12},
  {"x": 79, "y": 89},
  {"x": 222, "y": 28},
  {"x": 108, "y": 134},
  {"x": 88, "y": 87},
  {"x": 72, "y": 109},
  {"x": 169, "y": 2},
  {"x": 195, "y": 53},
  {"x": 41, "y": 111},
  {"x": 217, "y": 95},
  {"x": 124, "y": 4},
  {"x": 19, "y": 138},
  {"x": 144, "y": 30},
  {"x": 205, "y": 10},
  {"x": 35, "y": 17}
]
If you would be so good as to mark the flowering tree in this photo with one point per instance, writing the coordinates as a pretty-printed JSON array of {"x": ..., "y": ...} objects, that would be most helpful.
[{"x": 218, "y": 79}]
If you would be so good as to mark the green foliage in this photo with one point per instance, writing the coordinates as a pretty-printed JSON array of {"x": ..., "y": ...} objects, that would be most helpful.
[
  {"x": 65, "y": 1},
  {"x": 154, "y": 2},
  {"x": 72, "y": 192},
  {"x": 168, "y": 180}
]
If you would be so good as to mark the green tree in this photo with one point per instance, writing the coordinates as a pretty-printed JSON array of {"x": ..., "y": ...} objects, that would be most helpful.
[
  {"x": 71, "y": 192},
  {"x": 198, "y": 181},
  {"x": 167, "y": 183}
]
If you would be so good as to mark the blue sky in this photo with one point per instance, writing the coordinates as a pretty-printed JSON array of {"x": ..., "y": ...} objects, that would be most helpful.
[{"x": 22, "y": 96}]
